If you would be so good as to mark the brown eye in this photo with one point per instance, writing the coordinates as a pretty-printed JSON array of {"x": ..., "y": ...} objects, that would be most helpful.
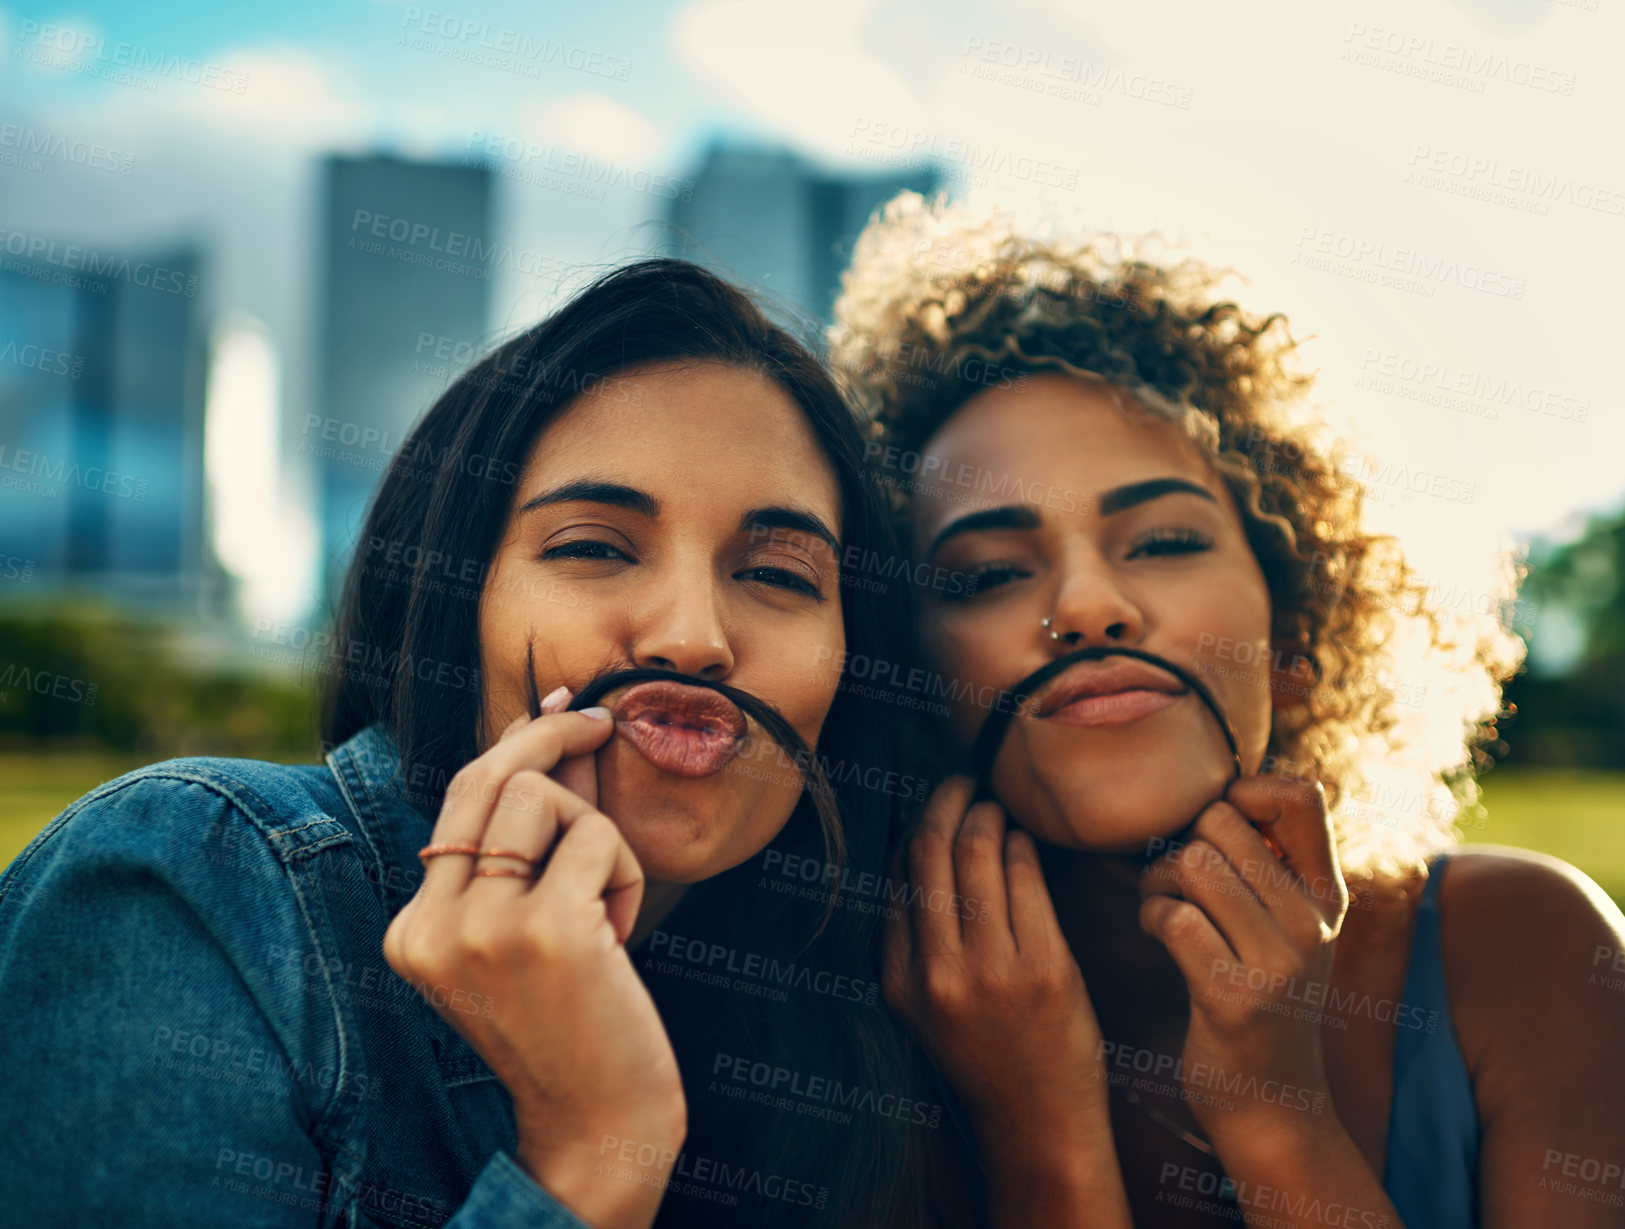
[
  {"x": 982, "y": 577},
  {"x": 1171, "y": 542},
  {"x": 780, "y": 578},
  {"x": 585, "y": 549}
]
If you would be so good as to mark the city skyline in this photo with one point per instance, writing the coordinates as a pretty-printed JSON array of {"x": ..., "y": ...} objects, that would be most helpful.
[
  {"x": 1416, "y": 187},
  {"x": 405, "y": 256}
]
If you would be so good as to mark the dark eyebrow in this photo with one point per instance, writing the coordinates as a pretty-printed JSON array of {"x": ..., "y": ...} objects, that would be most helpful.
[
  {"x": 1011, "y": 516},
  {"x": 1022, "y": 516},
  {"x": 1119, "y": 498},
  {"x": 589, "y": 491},
  {"x": 798, "y": 519}
]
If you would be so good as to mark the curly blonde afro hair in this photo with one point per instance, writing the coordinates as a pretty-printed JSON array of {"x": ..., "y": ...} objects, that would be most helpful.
[{"x": 939, "y": 295}]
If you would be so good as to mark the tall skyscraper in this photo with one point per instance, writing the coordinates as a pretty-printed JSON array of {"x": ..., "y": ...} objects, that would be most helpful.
[
  {"x": 773, "y": 220},
  {"x": 102, "y": 368},
  {"x": 406, "y": 266}
]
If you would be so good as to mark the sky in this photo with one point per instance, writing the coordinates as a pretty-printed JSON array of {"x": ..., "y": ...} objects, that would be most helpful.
[{"x": 1433, "y": 191}]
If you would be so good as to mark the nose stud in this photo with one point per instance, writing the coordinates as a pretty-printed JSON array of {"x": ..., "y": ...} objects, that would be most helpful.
[{"x": 1045, "y": 623}]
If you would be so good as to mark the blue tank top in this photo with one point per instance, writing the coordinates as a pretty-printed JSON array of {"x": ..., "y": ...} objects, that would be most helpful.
[{"x": 1431, "y": 1169}]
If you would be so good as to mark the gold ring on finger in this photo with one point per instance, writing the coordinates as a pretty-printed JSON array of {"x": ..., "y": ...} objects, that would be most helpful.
[
  {"x": 438, "y": 851},
  {"x": 509, "y": 853}
]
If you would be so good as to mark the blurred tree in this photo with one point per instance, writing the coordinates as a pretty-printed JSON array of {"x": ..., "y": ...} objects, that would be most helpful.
[
  {"x": 1571, "y": 703},
  {"x": 79, "y": 673}
]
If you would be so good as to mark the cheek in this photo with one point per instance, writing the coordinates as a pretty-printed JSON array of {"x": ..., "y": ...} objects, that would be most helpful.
[
  {"x": 515, "y": 614},
  {"x": 1237, "y": 659},
  {"x": 968, "y": 671},
  {"x": 502, "y": 654},
  {"x": 807, "y": 704}
]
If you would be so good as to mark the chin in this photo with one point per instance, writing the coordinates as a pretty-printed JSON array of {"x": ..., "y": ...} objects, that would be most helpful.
[
  {"x": 1126, "y": 810},
  {"x": 667, "y": 856},
  {"x": 680, "y": 829},
  {"x": 673, "y": 838}
]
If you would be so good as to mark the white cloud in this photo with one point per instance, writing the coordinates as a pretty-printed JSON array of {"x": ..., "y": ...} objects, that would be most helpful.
[
  {"x": 292, "y": 95},
  {"x": 594, "y": 124},
  {"x": 799, "y": 68},
  {"x": 290, "y": 98}
]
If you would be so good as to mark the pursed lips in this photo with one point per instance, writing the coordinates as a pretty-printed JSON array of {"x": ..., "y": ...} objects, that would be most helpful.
[
  {"x": 1106, "y": 695},
  {"x": 684, "y": 730}
]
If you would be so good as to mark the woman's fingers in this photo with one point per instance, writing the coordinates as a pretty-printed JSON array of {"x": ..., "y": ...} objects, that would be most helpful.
[
  {"x": 984, "y": 978},
  {"x": 1205, "y": 878},
  {"x": 1190, "y": 936},
  {"x": 931, "y": 867},
  {"x": 979, "y": 870},
  {"x": 462, "y": 821},
  {"x": 1244, "y": 847},
  {"x": 1283, "y": 895},
  {"x": 1225, "y": 898},
  {"x": 592, "y": 861},
  {"x": 523, "y": 827},
  {"x": 1294, "y": 813},
  {"x": 546, "y": 741},
  {"x": 472, "y": 794},
  {"x": 1032, "y": 913},
  {"x": 577, "y": 773}
]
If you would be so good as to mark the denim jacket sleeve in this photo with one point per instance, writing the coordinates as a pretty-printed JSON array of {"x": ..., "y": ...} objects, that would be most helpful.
[{"x": 163, "y": 1073}]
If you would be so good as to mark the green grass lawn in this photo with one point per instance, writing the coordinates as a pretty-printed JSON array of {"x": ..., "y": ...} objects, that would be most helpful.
[
  {"x": 34, "y": 788},
  {"x": 1576, "y": 816}
]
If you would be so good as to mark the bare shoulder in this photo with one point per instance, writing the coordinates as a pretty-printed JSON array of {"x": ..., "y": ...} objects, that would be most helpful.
[
  {"x": 1534, "y": 955},
  {"x": 1522, "y": 908},
  {"x": 1536, "y": 987}
]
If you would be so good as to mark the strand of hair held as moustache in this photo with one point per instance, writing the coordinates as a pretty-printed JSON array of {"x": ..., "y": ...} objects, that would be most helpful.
[
  {"x": 772, "y": 722},
  {"x": 991, "y": 736}
]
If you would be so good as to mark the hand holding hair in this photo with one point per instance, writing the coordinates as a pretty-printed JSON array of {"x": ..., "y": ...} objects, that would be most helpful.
[
  {"x": 977, "y": 965},
  {"x": 1255, "y": 935},
  {"x": 532, "y": 970}
]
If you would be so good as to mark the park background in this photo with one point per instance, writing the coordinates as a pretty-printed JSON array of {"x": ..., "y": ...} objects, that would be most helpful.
[{"x": 243, "y": 247}]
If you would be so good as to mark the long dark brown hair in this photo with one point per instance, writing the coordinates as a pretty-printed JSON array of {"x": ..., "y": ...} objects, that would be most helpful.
[{"x": 443, "y": 506}]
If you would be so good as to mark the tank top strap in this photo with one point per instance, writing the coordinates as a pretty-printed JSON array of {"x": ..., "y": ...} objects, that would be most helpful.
[{"x": 1431, "y": 1171}]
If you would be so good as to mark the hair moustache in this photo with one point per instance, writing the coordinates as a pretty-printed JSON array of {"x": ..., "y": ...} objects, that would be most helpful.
[
  {"x": 756, "y": 709},
  {"x": 985, "y": 750}
]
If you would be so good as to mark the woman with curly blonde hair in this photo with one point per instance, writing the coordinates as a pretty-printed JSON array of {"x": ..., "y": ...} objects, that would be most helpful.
[{"x": 1225, "y": 961}]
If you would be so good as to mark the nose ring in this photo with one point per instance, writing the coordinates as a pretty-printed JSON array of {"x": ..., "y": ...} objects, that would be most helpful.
[{"x": 1045, "y": 624}]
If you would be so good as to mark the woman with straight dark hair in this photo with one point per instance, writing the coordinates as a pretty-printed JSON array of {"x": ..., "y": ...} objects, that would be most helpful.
[{"x": 609, "y": 997}]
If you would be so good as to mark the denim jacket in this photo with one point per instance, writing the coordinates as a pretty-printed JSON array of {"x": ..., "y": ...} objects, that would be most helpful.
[{"x": 204, "y": 1028}]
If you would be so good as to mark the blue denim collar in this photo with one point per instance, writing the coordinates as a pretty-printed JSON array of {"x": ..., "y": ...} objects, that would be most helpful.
[{"x": 367, "y": 768}]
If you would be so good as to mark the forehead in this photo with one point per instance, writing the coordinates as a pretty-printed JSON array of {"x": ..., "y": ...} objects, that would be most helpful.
[
  {"x": 1056, "y": 442},
  {"x": 696, "y": 435}
]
